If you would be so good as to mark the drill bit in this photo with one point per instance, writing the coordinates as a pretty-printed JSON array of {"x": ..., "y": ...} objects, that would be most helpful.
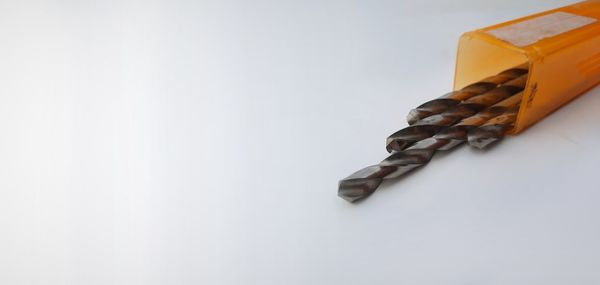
[
  {"x": 365, "y": 181},
  {"x": 493, "y": 130},
  {"x": 448, "y": 100},
  {"x": 431, "y": 125}
]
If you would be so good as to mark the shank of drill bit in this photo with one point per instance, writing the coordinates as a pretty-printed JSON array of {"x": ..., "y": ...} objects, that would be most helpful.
[
  {"x": 448, "y": 100},
  {"x": 493, "y": 130},
  {"x": 365, "y": 181},
  {"x": 431, "y": 125}
]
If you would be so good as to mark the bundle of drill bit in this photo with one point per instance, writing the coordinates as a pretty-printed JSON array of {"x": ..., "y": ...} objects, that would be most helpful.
[{"x": 480, "y": 114}]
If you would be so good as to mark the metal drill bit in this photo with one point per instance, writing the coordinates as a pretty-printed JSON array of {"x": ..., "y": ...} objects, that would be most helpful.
[
  {"x": 457, "y": 133},
  {"x": 431, "y": 125},
  {"x": 448, "y": 100},
  {"x": 364, "y": 182},
  {"x": 493, "y": 130}
]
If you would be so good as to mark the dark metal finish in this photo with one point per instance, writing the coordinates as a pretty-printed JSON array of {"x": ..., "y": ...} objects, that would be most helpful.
[
  {"x": 448, "y": 100},
  {"x": 493, "y": 130},
  {"x": 431, "y": 125},
  {"x": 364, "y": 182},
  {"x": 494, "y": 122},
  {"x": 457, "y": 133}
]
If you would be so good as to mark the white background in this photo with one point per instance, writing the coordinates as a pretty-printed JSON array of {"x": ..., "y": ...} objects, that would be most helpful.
[{"x": 200, "y": 142}]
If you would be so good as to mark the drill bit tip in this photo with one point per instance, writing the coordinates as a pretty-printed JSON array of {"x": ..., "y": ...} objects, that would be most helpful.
[
  {"x": 363, "y": 182},
  {"x": 430, "y": 108},
  {"x": 416, "y": 114},
  {"x": 352, "y": 191}
]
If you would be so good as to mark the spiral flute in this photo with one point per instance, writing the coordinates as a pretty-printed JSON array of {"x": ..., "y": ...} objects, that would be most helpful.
[
  {"x": 365, "y": 181},
  {"x": 458, "y": 133},
  {"x": 493, "y": 130},
  {"x": 451, "y": 99},
  {"x": 433, "y": 124}
]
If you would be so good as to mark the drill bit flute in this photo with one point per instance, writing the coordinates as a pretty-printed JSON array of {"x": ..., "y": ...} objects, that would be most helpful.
[
  {"x": 495, "y": 121},
  {"x": 448, "y": 100},
  {"x": 493, "y": 130}
]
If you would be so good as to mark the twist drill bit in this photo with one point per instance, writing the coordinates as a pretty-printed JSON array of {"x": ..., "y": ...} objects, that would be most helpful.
[
  {"x": 493, "y": 130},
  {"x": 457, "y": 133},
  {"x": 431, "y": 125},
  {"x": 448, "y": 100},
  {"x": 365, "y": 181}
]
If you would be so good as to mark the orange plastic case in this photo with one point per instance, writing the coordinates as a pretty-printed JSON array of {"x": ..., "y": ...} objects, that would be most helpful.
[{"x": 562, "y": 47}]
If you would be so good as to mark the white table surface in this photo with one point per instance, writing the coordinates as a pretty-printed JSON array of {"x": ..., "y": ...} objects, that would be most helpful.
[{"x": 200, "y": 142}]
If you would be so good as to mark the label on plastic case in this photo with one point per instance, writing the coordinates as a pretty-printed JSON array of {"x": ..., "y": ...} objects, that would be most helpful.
[{"x": 531, "y": 31}]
